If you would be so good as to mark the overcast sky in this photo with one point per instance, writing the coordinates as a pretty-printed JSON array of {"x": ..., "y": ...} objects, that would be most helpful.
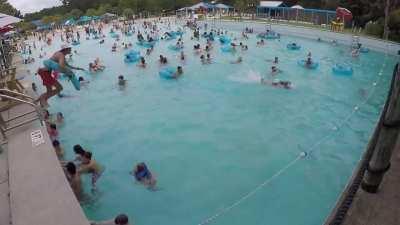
[{"x": 28, "y": 6}]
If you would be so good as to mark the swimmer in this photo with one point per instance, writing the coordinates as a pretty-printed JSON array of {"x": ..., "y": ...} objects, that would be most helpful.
[
  {"x": 89, "y": 165},
  {"x": 277, "y": 83},
  {"x": 274, "y": 70},
  {"x": 179, "y": 72},
  {"x": 114, "y": 47},
  {"x": 58, "y": 149},
  {"x": 239, "y": 60},
  {"x": 52, "y": 130},
  {"x": 209, "y": 59},
  {"x": 82, "y": 81},
  {"x": 79, "y": 152},
  {"x": 34, "y": 87},
  {"x": 59, "y": 118},
  {"x": 143, "y": 175},
  {"x": 74, "y": 179},
  {"x": 355, "y": 53},
  {"x": 276, "y": 60},
  {"x": 202, "y": 59},
  {"x": 142, "y": 63},
  {"x": 121, "y": 80},
  {"x": 182, "y": 56},
  {"x": 121, "y": 219},
  {"x": 102, "y": 41}
]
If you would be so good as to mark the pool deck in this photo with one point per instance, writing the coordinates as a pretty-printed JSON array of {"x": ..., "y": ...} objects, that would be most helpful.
[{"x": 382, "y": 208}]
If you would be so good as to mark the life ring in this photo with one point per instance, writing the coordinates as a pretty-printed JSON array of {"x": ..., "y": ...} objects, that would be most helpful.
[
  {"x": 293, "y": 46},
  {"x": 342, "y": 69},
  {"x": 313, "y": 65},
  {"x": 168, "y": 73}
]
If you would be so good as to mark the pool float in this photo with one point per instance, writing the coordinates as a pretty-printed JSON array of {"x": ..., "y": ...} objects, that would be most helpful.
[
  {"x": 269, "y": 35},
  {"x": 132, "y": 56},
  {"x": 168, "y": 73},
  {"x": 313, "y": 65},
  {"x": 75, "y": 43},
  {"x": 293, "y": 46},
  {"x": 114, "y": 35},
  {"x": 224, "y": 39},
  {"x": 169, "y": 37},
  {"x": 128, "y": 34},
  {"x": 54, "y": 66},
  {"x": 146, "y": 44},
  {"x": 342, "y": 69},
  {"x": 177, "y": 33},
  {"x": 227, "y": 48},
  {"x": 175, "y": 47},
  {"x": 364, "y": 50},
  {"x": 96, "y": 37}
]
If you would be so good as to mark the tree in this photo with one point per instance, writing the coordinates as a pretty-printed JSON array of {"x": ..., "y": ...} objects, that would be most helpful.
[
  {"x": 91, "y": 12},
  {"x": 76, "y": 13},
  {"x": 128, "y": 13},
  {"x": 8, "y": 9}
]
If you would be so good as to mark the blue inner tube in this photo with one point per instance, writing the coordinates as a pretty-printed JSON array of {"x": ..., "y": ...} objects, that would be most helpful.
[
  {"x": 224, "y": 39},
  {"x": 364, "y": 50},
  {"x": 227, "y": 48},
  {"x": 302, "y": 62},
  {"x": 175, "y": 48},
  {"x": 293, "y": 47},
  {"x": 177, "y": 33},
  {"x": 342, "y": 69},
  {"x": 129, "y": 34},
  {"x": 132, "y": 56},
  {"x": 114, "y": 35},
  {"x": 75, "y": 43},
  {"x": 168, "y": 73},
  {"x": 146, "y": 44}
]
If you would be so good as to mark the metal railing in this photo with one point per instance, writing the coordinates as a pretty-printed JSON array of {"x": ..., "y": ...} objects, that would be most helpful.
[{"x": 22, "y": 99}]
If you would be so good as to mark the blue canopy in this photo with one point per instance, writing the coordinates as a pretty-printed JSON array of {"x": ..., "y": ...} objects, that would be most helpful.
[
  {"x": 85, "y": 19},
  {"x": 69, "y": 22},
  {"x": 202, "y": 5}
]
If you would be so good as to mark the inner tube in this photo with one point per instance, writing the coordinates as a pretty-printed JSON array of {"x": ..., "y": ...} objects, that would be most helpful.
[
  {"x": 364, "y": 50},
  {"x": 227, "y": 48},
  {"x": 132, "y": 56},
  {"x": 75, "y": 43},
  {"x": 168, "y": 73},
  {"x": 302, "y": 62},
  {"x": 342, "y": 69},
  {"x": 175, "y": 48},
  {"x": 146, "y": 44},
  {"x": 224, "y": 40},
  {"x": 128, "y": 34},
  {"x": 114, "y": 35},
  {"x": 269, "y": 35},
  {"x": 293, "y": 46},
  {"x": 176, "y": 33}
]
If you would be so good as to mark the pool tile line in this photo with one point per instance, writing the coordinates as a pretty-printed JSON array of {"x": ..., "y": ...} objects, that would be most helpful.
[{"x": 301, "y": 155}]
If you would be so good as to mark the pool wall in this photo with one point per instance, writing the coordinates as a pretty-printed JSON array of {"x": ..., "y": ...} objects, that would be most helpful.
[{"x": 379, "y": 45}]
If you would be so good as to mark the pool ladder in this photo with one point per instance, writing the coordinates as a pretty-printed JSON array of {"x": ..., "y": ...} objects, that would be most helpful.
[{"x": 14, "y": 121}]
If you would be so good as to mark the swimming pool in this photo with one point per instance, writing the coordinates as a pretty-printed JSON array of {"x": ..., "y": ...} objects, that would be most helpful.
[{"x": 222, "y": 146}]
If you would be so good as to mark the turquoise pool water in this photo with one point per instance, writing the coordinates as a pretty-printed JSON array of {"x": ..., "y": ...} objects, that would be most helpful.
[{"x": 215, "y": 135}]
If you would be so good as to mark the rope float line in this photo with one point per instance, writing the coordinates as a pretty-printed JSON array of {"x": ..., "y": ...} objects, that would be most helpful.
[{"x": 300, "y": 156}]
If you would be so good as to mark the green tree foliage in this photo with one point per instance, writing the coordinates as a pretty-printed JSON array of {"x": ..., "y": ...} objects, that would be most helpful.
[
  {"x": 76, "y": 13},
  {"x": 128, "y": 13},
  {"x": 8, "y": 9},
  {"x": 91, "y": 12}
]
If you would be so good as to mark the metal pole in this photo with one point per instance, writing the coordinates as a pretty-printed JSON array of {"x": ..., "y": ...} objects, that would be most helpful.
[{"x": 386, "y": 27}]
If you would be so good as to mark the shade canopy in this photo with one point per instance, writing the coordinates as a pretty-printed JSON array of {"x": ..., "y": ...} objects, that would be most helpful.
[
  {"x": 344, "y": 13},
  {"x": 202, "y": 5},
  {"x": 297, "y": 7},
  {"x": 271, "y": 3},
  {"x": 223, "y": 6},
  {"x": 7, "y": 20}
]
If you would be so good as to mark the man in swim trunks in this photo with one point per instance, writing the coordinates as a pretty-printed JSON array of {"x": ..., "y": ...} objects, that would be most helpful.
[
  {"x": 56, "y": 63},
  {"x": 89, "y": 165}
]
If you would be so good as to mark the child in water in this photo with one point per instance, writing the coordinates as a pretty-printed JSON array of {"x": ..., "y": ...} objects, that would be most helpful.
[
  {"x": 58, "y": 149},
  {"x": 121, "y": 80},
  {"x": 89, "y": 165},
  {"x": 143, "y": 175}
]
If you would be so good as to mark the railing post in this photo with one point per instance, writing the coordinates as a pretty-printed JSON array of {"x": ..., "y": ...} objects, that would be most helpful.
[{"x": 387, "y": 138}]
